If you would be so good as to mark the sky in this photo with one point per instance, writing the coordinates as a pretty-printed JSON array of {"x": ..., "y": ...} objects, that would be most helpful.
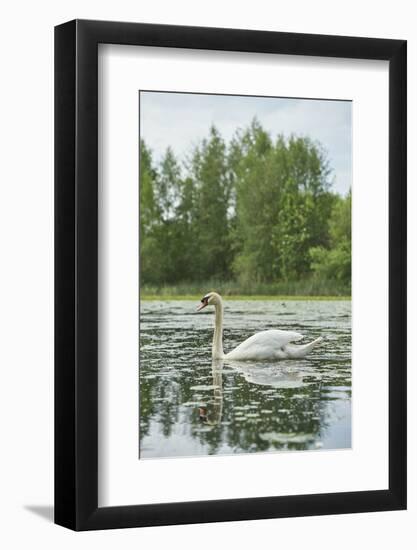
[{"x": 179, "y": 121}]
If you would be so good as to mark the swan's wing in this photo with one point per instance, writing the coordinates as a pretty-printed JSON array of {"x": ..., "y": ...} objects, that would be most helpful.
[
  {"x": 275, "y": 338},
  {"x": 264, "y": 344}
]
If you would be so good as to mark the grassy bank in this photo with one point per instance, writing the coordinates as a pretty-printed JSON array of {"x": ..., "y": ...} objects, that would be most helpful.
[
  {"x": 195, "y": 297},
  {"x": 311, "y": 289}
]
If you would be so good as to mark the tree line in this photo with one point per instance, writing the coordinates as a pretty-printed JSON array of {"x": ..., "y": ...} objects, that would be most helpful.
[{"x": 254, "y": 210}]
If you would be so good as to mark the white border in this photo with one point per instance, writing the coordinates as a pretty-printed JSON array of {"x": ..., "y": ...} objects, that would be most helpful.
[{"x": 123, "y": 479}]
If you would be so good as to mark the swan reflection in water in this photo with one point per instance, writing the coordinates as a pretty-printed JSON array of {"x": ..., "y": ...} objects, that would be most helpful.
[
  {"x": 211, "y": 414},
  {"x": 284, "y": 376}
]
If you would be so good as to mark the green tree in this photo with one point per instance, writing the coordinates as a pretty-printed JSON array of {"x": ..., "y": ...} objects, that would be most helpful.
[
  {"x": 335, "y": 261},
  {"x": 304, "y": 208},
  {"x": 149, "y": 214},
  {"x": 257, "y": 188},
  {"x": 168, "y": 185},
  {"x": 208, "y": 171},
  {"x": 165, "y": 244},
  {"x": 148, "y": 207},
  {"x": 259, "y": 211},
  {"x": 282, "y": 204}
]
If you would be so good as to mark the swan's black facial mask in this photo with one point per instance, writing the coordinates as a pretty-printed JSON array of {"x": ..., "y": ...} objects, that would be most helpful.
[{"x": 204, "y": 303}]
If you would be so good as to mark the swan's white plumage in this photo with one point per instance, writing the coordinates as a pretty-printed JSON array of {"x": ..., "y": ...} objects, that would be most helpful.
[
  {"x": 262, "y": 346},
  {"x": 268, "y": 344}
]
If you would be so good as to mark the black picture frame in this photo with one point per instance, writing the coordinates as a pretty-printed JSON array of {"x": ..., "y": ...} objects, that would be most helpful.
[{"x": 76, "y": 272}]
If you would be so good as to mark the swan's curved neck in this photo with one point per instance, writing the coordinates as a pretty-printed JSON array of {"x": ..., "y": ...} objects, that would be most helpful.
[{"x": 217, "y": 350}]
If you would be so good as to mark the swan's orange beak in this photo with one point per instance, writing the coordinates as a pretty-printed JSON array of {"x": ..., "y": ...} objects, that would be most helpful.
[{"x": 202, "y": 305}]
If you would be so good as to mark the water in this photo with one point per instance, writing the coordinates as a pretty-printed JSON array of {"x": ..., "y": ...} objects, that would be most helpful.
[{"x": 190, "y": 405}]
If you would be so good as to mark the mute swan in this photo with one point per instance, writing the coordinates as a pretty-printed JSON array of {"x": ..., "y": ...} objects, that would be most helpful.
[{"x": 265, "y": 345}]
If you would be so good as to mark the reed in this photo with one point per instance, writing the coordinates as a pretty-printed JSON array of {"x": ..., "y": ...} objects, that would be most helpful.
[{"x": 313, "y": 288}]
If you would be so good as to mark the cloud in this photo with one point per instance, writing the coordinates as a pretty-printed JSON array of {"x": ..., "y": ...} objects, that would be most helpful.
[{"x": 179, "y": 121}]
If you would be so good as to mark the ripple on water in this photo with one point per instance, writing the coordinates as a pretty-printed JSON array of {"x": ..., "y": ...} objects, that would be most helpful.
[
  {"x": 274, "y": 437},
  {"x": 189, "y": 407}
]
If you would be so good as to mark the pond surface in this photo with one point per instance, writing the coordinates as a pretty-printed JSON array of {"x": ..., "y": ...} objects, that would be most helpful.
[{"x": 190, "y": 405}]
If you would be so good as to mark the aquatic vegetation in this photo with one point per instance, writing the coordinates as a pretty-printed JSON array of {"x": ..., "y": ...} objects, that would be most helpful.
[{"x": 191, "y": 406}]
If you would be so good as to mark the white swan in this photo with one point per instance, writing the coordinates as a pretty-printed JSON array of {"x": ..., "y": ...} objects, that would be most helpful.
[{"x": 265, "y": 345}]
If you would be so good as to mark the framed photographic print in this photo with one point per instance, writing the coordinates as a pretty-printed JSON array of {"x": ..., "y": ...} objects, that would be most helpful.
[{"x": 230, "y": 274}]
